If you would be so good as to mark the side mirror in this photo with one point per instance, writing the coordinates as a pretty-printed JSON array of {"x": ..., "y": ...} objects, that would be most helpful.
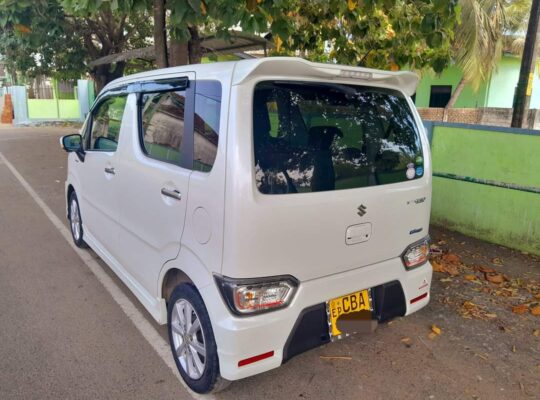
[{"x": 73, "y": 143}]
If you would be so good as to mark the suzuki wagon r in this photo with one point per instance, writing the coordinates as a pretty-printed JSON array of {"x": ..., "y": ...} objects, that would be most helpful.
[{"x": 259, "y": 208}]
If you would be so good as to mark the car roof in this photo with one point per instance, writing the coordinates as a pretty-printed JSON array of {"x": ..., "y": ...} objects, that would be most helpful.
[{"x": 245, "y": 70}]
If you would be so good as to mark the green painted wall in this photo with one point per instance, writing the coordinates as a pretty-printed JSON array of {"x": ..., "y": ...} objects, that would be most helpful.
[
  {"x": 69, "y": 109},
  {"x": 42, "y": 109},
  {"x": 504, "y": 81},
  {"x": 504, "y": 216},
  {"x": 498, "y": 92},
  {"x": 451, "y": 76},
  {"x": 49, "y": 109}
]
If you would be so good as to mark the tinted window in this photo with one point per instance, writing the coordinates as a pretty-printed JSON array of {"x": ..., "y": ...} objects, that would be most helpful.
[
  {"x": 207, "y": 112},
  {"x": 315, "y": 137},
  {"x": 106, "y": 121},
  {"x": 163, "y": 125}
]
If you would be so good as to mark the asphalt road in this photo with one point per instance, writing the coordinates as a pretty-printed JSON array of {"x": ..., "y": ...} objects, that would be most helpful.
[{"x": 64, "y": 336}]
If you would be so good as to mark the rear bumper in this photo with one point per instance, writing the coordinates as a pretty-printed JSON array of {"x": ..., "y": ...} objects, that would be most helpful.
[{"x": 302, "y": 325}]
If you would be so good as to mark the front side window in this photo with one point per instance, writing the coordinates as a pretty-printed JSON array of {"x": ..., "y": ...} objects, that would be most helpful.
[
  {"x": 106, "y": 122},
  {"x": 207, "y": 116},
  {"x": 163, "y": 125},
  {"x": 312, "y": 137}
]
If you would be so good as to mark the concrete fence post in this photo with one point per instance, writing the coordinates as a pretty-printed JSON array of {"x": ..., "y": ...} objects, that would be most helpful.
[
  {"x": 82, "y": 95},
  {"x": 20, "y": 106}
]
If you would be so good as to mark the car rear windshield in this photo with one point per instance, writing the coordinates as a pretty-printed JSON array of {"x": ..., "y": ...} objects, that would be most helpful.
[{"x": 312, "y": 137}]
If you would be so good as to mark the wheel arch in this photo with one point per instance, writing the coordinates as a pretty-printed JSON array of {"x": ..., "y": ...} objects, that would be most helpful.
[{"x": 186, "y": 268}]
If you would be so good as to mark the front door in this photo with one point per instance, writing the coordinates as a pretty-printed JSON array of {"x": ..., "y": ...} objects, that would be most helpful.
[
  {"x": 153, "y": 185},
  {"x": 98, "y": 173}
]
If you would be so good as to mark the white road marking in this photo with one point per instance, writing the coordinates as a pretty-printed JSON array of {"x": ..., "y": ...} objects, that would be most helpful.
[{"x": 145, "y": 328}]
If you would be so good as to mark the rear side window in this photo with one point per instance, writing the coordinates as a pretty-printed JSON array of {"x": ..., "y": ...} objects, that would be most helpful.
[
  {"x": 207, "y": 116},
  {"x": 312, "y": 137},
  {"x": 163, "y": 125},
  {"x": 106, "y": 121}
]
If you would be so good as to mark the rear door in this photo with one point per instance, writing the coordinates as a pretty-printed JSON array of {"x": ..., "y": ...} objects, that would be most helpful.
[
  {"x": 340, "y": 181},
  {"x": 153, "y": 184}
]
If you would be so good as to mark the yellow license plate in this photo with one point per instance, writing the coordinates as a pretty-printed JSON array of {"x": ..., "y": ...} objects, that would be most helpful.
[{"x": 351, "y": 303}]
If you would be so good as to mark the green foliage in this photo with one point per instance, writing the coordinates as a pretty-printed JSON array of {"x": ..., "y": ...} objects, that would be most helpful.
[
  {"x": 478, "y": 41},
  {"x": 35, "y": 39}
]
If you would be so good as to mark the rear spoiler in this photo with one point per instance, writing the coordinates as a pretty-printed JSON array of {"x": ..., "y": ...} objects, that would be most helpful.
[{"x": 292, "y": 66}]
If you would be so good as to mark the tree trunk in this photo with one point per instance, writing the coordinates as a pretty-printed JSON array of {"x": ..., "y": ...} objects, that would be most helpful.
[
  {"x": 104, "y": 74},
  {"x": 160, "y": 36},
  {"x": 178, "y": 53},
  {"x": 454, "y": 98},
  {"x": 522, "y": 97},
  {"x": 194, "y": 46}
]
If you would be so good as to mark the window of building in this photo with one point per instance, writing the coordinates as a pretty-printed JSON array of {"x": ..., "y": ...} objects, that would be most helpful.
[{"x": 440, "y": 95}]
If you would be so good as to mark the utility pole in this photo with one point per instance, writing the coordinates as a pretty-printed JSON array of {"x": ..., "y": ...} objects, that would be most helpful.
[{"x": 522, "y": 97}]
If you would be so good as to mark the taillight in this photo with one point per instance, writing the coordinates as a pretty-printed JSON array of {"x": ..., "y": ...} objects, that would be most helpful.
[
  {"x": 416, "y": 254},
  {"x": 253, "y": 296}
]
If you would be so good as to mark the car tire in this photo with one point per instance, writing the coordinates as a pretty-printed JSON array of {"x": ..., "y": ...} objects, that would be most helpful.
[
  {"x": 192, "y": 341},
  {"x": 75, "y": 221}
]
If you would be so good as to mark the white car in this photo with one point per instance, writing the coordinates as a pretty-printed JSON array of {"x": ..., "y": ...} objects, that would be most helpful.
[{"x": 260, "y": 208}]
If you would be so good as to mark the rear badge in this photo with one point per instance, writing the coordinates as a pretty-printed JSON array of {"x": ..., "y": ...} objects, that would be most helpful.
[
  {"x": 410, "y": 173},
  {"x": 362, "y": 210}
]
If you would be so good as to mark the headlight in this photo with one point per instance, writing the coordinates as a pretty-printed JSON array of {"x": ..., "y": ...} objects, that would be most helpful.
[
  {"x": 253, "y": 296},
  {"x": 416, "y": 254}
]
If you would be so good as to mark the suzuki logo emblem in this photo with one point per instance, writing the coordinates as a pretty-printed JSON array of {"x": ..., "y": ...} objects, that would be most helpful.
[{"x": 362, "y": 210}]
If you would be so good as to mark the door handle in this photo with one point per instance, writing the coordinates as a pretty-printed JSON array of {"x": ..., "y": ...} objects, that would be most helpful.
[
  {"x": 175, "y": 194},
  {"x": 110, "y": 170}
]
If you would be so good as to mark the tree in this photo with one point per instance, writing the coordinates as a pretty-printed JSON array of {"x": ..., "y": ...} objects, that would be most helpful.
[
  {"x": 37, "y": 40},
  {"x": 523, "y": 93},
  {"x": 107, "y": 28},
  {"x": 478, "y": 42},
  {"x": 160, "y": 34},
  {"x": 378, "y": 33}
]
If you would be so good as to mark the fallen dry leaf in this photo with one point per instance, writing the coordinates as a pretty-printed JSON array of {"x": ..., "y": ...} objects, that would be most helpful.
[
  {"x": 435, "y": 329},
  {"x": 520, "y": 309},
  {"x": 470, "y": 277},
  {"x": 494, "y": 278},
  {"x": 432, "y": 335},
  {"x": 536, "y": 333},
  {"x": 535, "y": 310},
  {"x": 485, "y": 270},
  {"x": 406, "y": 341},
  {"x": 452, "y": 258},
  {"x": 450, "y": 269},
  {"x": 537, "y": 296},
  {"x": 497, "y": 261},
  {"x": 437, "y": 266}
]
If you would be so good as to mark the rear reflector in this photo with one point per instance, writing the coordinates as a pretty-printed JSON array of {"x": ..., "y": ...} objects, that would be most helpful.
[
  {"x": 422, "y": 296},
  {"x": 251, "y": 360}
]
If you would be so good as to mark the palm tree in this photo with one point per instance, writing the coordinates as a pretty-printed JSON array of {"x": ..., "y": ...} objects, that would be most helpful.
[
  {"x": 478, "y": 43},
  {"x": 517, "y": 19}
]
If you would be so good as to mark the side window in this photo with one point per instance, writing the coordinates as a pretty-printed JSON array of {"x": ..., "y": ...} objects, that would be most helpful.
[
  {"x": 163, "y": 125},
  {"x": 106, "y": 121},
  {"x": 207, "y": 117}
]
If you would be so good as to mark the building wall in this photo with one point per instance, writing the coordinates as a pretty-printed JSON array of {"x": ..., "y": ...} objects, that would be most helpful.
[
  {"x": 451, "y": 76},
  {"x": 503, "y": 215},
  {"x": 498, "y": 93},
  {"x": 503, "y": 84}
]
